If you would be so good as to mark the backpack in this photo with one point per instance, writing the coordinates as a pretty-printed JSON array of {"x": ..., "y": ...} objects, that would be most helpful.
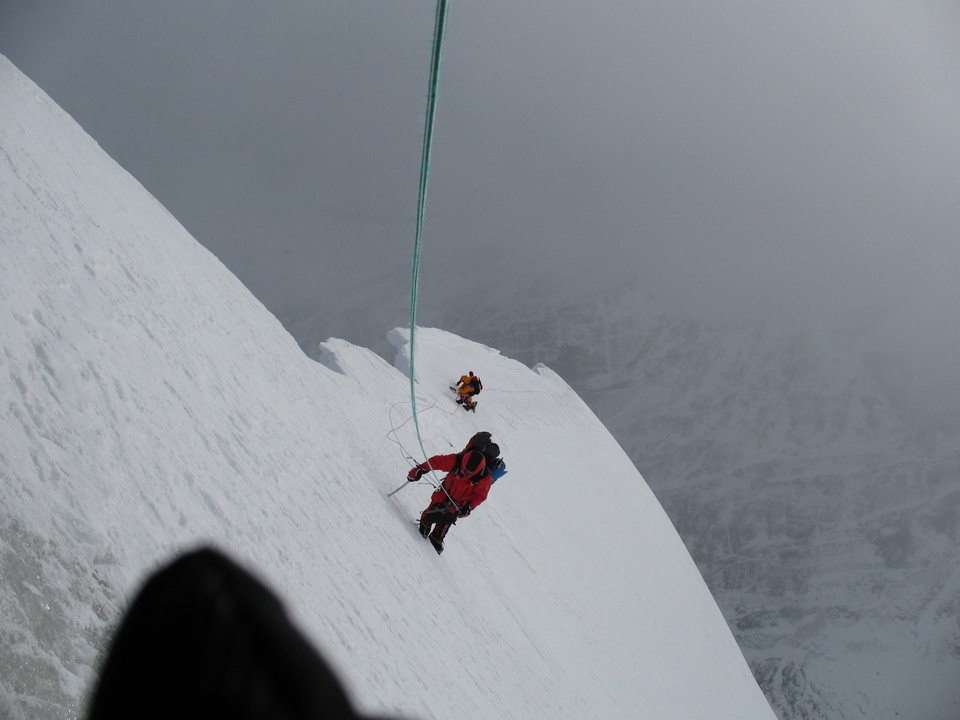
[
  {"x": 497, "y": 468},
  {"x": 481, "y": 441}
]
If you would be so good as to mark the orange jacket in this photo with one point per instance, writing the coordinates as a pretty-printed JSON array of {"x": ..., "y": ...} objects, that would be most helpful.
[{"x": 469, "y": 384}]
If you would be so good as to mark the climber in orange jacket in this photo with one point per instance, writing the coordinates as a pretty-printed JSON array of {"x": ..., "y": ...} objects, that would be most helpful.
[{"x": 468, "y": 386}]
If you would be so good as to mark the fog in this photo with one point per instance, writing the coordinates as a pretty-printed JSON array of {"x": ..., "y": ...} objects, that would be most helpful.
[{"x": 736, "y": 159}]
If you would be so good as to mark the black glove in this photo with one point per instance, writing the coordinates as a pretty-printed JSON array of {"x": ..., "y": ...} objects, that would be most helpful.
[
  {"x": 415, "y": 474},
  {"x": 465, "y": 510}
]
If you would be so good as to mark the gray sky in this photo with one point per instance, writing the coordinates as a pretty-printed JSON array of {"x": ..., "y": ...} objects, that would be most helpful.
[{"x": 790, "y": 158}]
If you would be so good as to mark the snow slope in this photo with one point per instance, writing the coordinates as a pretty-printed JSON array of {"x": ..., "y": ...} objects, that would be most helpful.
[{"x": 153, "y": 405}]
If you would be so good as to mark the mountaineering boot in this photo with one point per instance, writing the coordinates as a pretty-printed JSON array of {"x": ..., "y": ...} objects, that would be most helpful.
[
  {"x": 424, "y": 528},
  {"x": 436, "y": 537}
]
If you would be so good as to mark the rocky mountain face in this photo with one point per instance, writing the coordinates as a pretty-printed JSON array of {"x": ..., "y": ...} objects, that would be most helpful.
[{"x": 815, "y": 482}]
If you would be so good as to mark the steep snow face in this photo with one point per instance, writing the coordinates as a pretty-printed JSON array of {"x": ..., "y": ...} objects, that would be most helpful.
[
  {"x": 814, "y": 482},
  {"x": 154, "y": 405}
]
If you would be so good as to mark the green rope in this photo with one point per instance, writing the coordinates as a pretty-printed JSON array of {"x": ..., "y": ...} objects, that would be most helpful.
[{"x": 439, "y": 26}]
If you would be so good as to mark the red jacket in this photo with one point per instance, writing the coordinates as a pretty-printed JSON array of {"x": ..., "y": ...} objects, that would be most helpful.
[{"x": 470, "y": 483}]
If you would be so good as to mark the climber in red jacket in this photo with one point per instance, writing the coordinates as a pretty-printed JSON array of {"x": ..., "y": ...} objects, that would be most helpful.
[{"x": 466, "y": 485}]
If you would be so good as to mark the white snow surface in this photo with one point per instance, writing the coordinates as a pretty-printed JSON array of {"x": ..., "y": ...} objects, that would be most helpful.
[{"x": 153, "y": 405}]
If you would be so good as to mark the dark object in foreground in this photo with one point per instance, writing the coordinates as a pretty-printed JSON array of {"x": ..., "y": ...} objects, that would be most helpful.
[{"x": 205, "y": 639}]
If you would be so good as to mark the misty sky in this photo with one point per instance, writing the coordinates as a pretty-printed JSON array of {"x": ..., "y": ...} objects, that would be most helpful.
[{"x": 792, "y": 158}]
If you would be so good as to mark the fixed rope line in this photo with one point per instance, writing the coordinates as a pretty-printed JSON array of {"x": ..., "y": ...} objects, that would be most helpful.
[{"x": 438, "y": 30}]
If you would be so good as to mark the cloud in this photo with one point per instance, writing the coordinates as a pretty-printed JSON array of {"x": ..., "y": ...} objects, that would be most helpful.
[{"x": 736, "y": 159}]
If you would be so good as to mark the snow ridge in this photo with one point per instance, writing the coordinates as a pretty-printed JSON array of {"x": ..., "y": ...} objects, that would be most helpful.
[{"x": 156, "y": 406}]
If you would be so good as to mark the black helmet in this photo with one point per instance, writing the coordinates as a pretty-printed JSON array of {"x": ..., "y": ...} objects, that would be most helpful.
[{"x": 492, "y": 451}]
